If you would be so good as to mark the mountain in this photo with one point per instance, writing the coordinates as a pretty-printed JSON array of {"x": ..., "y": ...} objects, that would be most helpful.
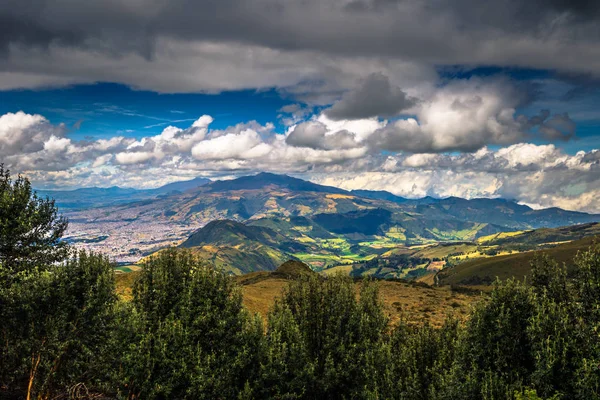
[
  {"x": 232, "y": 233},
  {"x": 501, "y": 212},
  {"x": 385, "y": 195},
  {"x": 179, "y": 186},
  {"x": 85, "y": 198},
  {"x": 334, "y": 226},
  {"x": 266, "y": 180},
  {"x": 238, "y": 248}
]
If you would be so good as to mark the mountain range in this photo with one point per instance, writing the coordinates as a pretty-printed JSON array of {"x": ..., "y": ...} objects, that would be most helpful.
[
  {"x": 269, "y": 218},
  {"x": 84, "y": 198}
]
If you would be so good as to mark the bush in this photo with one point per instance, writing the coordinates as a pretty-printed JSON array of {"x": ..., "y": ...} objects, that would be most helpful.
[
  {"x": 59, "y": 320},
  {"x": 333, "y": 341},
  {"x": 192, "y": 338}
]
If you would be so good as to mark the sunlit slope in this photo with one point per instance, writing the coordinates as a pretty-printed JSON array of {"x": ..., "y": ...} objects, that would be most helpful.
[
  {"x": 238, "y": 248},
  {"x": 483, "y": 271}
]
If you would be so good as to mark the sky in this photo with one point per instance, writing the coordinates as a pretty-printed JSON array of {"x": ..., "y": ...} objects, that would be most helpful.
[{"x": 419, "y": 98}]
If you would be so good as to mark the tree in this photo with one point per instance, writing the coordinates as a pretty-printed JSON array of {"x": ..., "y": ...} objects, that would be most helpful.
[
  {"x": 330, "y": 342},
  {"x": 55, "y": 325},
  {"x": 494, "y": 357},
  {"x": 553, "y": 329},
  {"x": 587, "y": 291},
  {"x": 420, "y": 355},
  {"x": 188, "y": 333},
  {"x": 30, "y": 227}
]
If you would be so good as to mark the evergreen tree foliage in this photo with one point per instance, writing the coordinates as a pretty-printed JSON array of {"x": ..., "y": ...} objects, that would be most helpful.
[
  {"x": 192, "y": 338},
  {"x": 329, "y": 340},
  {"x": 55, "y": 323},
  {"x": 30, "y": 227}
]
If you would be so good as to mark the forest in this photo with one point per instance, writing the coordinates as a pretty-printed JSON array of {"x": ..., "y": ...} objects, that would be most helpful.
[{"x": 65, "y": 334}]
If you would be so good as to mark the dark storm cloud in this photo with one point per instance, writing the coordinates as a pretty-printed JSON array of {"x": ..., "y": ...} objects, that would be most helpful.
[
  {"x": 585, "y": 9},
  {"x": 375, "y": 97},
  {"x": 551, "y": 127},
  {"x": 15, "y": 30},
  {"x": 314, "y": 135},
  {"x": 431, "y": 31}
]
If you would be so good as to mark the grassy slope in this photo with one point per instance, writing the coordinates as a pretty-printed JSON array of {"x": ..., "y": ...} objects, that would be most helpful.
[
  {"x": 415, "y": 303},
  {"x": 484, "y": 270},
  {"x": 543, "y": 235}
]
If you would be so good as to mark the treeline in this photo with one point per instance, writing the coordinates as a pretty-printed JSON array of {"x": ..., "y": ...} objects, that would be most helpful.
[{"x": 185, "y": 334}]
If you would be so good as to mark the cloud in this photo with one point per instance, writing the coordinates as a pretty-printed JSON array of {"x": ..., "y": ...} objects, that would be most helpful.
[
  {"x": 312, "y": 47},
  {"x": 332, "y": 152},
  {"x": 537, "y": 175},
  {"x": 134, "y": 157},
  {"x": 375, "y": 97},
  {"x": 25, "y": 133},
  {"x": 558, "y": 127},
  {"x": 466, "y": 115},
  {"x": 294, "y": 113},
  {"x": 244, "y": 145},
  {"x": 315, "y": 134}
]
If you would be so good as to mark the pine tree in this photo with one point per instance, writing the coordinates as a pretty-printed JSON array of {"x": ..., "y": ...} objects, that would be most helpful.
[{"x": 30, "y": 227}]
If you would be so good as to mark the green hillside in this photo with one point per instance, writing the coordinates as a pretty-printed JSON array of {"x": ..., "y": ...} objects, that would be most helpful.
[
  {"x": 376, "y": 242},
  {"x": 483, "y": 271},
  {"x": 238, "y": 248},
  {"x": 542, "y": 236}
]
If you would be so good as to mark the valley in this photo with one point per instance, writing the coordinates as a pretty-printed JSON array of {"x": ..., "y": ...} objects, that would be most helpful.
[{"x": 255, "y": 223}]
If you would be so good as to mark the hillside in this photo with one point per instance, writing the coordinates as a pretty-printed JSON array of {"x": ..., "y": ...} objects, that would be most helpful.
[
  {"x": 231, "y": 233},
  {"x": 238, "y": 248},
  {"x": 482, "y": 272},
  {"x": 540, "y": 236},
  {"x": 379, "y": 195},
  {"x": 323, "y": 241}
]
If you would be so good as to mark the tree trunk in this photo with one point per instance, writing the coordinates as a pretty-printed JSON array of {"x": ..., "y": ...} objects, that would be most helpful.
[{"x": 34, "y": 366}]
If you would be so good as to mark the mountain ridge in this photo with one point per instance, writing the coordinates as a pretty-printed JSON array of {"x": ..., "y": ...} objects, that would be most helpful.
[
  {"x": 318, "y": 216},
  {"x": 86, "y": 197}
]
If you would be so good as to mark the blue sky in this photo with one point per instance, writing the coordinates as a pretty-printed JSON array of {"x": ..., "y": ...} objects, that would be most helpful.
[
  {"x": 106, "y": 109},
  {"x": 103, "y": 110}
]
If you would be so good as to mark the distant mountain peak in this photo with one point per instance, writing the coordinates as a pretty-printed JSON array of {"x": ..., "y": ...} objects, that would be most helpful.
[
  {"x": 265, "y": 179},
  {"x": 182, "y": 186}
]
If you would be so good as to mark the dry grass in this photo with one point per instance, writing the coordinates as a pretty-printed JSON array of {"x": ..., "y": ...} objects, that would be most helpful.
[
  {"x": 124, "y": 284},
  {"x": 419, "y": 304},
  {"x": 416, "y": 303},
  {"x": 260, "y": 296}
]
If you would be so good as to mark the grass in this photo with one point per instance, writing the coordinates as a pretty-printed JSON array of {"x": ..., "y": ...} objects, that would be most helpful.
[
  {"x": 465, "y": 234},
  {"x": 402, "y": 300},
  {"x": 443, "y": 250},
  {"x": 127, "y": 268},
  {"x": 124, "y": 284},
  {"x": 483, "y": 271},
  {"x": 340, "y": 269},
  {"x": 501, "y": 235}
]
